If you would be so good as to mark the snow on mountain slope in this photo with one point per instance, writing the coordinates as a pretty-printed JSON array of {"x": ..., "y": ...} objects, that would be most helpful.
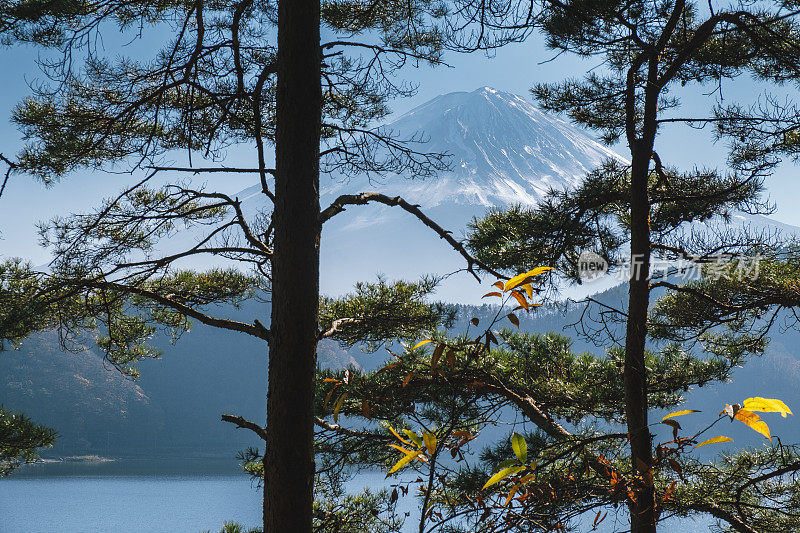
[{"x": 502, "y": 151}]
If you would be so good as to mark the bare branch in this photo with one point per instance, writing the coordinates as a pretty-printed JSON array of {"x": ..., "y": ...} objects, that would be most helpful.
[
  {"x": 338, "y": 206},
  {"x": 243, "y": 423}
]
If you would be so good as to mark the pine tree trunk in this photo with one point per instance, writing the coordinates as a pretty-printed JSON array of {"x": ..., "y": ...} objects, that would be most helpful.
[
  {"x": 642, "y": 510},
  {"x": 289, "y": 456}
]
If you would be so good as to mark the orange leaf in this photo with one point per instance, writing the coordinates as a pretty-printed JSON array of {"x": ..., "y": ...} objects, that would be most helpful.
[
  {"x": 388, "y": 367},
  {"x": 513, "y": 319},
  {"x": 328, "y": 396},
  {"x": 451, "y": 358},
  {"x": 521, "y": 299},
  {"x": 676, "y": 466},
  {"x": 493, "y": 293},
  {"x": 511, "y": 493},
  {"x": 437, "y": 353},
  {"x": 598, "y": 518}
]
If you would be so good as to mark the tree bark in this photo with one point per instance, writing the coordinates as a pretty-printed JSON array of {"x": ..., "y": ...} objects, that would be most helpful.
[
  {"x": 642, "y": 509},
  {"x": 642, "y": 506},
  {"x": 289, "y": 454}
]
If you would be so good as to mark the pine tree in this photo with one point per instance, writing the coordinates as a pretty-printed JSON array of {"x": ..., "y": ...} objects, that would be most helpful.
[{"x": 20, "y": 440}]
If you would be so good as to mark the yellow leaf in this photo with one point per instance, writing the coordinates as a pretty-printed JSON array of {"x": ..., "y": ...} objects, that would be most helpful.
[
  {"x": 754, "y": 421},
  {"x": 420, "y": 343},
  {"x": 715, "y": 440},
  {"x": 513, "y": 319},
  {"x": 404, "y": 450},
  {"x": 767, "y": 405},
  {"x": 680, "y": 413},
  {"x": 430, "y": 441},
  {"x": 404, "y": 461},
  {"x": 529, "y": 289},
  {"x": 396, "y": 434},
  {"x": 502, "y": 474},
  {"x": 524, "y": 278}
]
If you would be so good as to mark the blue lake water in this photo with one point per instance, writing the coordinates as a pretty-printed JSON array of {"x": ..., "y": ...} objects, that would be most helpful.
[
  {"x": 152, "y": 496},
  {"x": 113, "y": 498}
]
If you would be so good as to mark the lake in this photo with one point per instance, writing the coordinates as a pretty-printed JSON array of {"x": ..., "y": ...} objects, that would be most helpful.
[
  {"x": 126, "y": 497},
  {"x": 162, "y": 496}
]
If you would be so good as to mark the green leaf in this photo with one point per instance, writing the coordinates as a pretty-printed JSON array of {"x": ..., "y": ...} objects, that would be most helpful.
[
  {"x": 502, "y": 474},
  {"x": 520, "y": 447},
  {"x": 414, "y": 437},
  {"x": 505, "y": 464}
]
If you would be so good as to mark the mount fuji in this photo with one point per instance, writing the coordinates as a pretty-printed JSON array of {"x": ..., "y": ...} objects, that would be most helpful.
[{"x": 501, "y": 150}]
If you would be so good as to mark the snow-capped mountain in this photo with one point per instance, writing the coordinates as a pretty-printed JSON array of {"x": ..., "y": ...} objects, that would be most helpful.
[{"x": 502, "y": 151}]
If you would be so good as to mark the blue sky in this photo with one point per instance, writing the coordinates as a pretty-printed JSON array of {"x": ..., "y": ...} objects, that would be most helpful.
[{"x": 514, "y": 68}]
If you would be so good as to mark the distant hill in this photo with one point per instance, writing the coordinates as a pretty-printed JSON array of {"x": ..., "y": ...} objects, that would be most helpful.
[{"x": 173, "y": 410}]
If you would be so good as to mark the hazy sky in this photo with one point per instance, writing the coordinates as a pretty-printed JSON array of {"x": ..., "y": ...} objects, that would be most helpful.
[{"x": 514, "y": 69}]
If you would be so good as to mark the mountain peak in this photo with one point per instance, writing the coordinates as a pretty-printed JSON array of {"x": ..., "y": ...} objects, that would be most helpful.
[{"x": 502, "y": 150}]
